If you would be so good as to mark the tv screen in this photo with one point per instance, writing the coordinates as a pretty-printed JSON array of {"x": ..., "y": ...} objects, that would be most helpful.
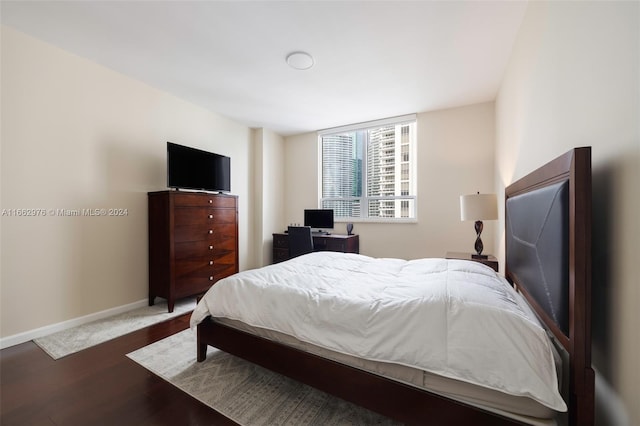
[
  {"x": 192, "y": 168},
  {"x": 319, "y": 218}
]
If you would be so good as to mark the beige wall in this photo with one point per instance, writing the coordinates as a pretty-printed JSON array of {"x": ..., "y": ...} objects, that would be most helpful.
[
  {"x": 573, "y": 80},
  {"x": 76, "y": 135},
  {"x": 455, "y": 157},
  {"x": 269, "y": 192}
]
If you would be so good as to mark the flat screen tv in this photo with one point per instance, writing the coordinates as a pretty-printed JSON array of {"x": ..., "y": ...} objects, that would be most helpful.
[
  {"x": 191, "y": 168},
  {"x": 319, "y": 219}
]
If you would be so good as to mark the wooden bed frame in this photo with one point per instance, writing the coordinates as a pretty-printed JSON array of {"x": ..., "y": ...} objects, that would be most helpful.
[
  {"x": 574, "y": 168},
  {"x": 415, "y": 406}
]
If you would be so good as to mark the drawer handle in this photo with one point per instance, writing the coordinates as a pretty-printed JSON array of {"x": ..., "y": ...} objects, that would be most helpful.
[
  {"x": 211, "y": 262},
  {"x": 210, "y": 216},
  {"x": 210, "y": 201},
  {"x": 210, "y": 231},
  {"x": 210, "y": 247},
  {"x": 210, "y": 278}
]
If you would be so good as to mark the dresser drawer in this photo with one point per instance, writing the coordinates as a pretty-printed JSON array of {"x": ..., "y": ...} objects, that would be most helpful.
[
  {"x": 203, "y": 216},
  {"x": 194, "y": 267},
  {"x": 224, "y": 257},
  {"x": 199, "y": 233},
  {"x": 227, "y": 271},
  {"x": 200, "y": 250},
  {"x": 280, "y": 241},
  {"x": 222, "y": 270},
  {"x": 225, "y": 245},
  {"x": 224, "y": 231},
  {"x": 193, "y": 277},
  {"x": 280, "y": 255},
  {"x": 203, "y": 200},
  {"x": 336, "y": 245},
  {"x": 203, "y": 274},
  {"x": 205, "y": 249},
  {"x": 192, "y": 233}
]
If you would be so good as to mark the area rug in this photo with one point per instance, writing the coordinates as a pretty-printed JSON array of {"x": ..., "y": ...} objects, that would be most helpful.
[
  {"x": 244, "y": 392},
  {"x": 72, "y": 340}
]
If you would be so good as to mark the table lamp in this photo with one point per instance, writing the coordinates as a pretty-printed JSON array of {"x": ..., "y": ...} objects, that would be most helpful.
[{"x": 478, "y": 207}]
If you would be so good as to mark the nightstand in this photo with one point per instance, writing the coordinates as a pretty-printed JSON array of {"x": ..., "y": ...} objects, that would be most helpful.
[{"x": 490, "y": 261}]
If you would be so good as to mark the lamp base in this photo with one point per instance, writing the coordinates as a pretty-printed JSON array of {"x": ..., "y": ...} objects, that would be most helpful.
[{"x": 478, "y": 246}]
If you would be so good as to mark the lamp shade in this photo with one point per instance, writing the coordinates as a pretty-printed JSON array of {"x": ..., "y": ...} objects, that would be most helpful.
[{"x": 478, "y": 207}]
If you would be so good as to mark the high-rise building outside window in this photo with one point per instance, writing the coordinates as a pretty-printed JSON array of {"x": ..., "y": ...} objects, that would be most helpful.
[{"x": 368, "y": 171}]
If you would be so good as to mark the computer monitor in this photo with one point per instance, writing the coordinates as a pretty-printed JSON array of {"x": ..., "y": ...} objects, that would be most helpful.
[{"x": 318, "y": 219}]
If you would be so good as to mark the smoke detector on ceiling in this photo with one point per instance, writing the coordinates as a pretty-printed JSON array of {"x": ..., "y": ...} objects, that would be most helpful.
[{"x": 300, "y": 60}]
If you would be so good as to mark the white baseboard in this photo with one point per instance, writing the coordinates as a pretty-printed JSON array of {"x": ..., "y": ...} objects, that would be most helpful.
[{"x": 26, "y": 336}]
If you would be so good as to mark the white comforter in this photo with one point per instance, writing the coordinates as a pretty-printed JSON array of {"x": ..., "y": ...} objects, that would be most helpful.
[{"x": 455, "y": 318}]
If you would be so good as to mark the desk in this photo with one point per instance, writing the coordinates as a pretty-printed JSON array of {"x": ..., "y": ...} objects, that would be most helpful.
[{"x": 321, "y": 242}]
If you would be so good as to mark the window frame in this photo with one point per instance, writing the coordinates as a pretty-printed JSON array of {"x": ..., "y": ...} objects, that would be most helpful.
[{"x": 365, "y": 198}]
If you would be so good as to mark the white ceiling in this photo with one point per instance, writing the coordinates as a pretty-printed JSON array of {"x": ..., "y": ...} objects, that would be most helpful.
[{"x": 373, "y": 59}]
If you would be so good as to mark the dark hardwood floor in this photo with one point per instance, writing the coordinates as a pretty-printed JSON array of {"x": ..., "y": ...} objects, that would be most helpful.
[{"x": 97, "y": 386}]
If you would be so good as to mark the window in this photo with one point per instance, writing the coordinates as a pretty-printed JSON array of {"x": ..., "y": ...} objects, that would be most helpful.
[{"x": 368, "y": 171}]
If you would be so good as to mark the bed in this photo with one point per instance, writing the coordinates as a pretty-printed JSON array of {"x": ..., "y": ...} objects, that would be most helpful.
[{"x": 492, "y": 350}]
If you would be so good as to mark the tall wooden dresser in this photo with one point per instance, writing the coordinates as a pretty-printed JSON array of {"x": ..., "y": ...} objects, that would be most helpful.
[{"x": 193, "y": 242}]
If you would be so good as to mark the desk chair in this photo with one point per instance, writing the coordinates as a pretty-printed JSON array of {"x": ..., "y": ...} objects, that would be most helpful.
[{"x": 300, "y": 241}]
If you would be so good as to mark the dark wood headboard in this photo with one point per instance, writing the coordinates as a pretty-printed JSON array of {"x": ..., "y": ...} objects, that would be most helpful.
[{"x": 548, "y": 259}]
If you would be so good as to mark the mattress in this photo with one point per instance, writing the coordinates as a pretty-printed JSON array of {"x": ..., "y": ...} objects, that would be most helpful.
[{"x": 431, "y": 321}]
